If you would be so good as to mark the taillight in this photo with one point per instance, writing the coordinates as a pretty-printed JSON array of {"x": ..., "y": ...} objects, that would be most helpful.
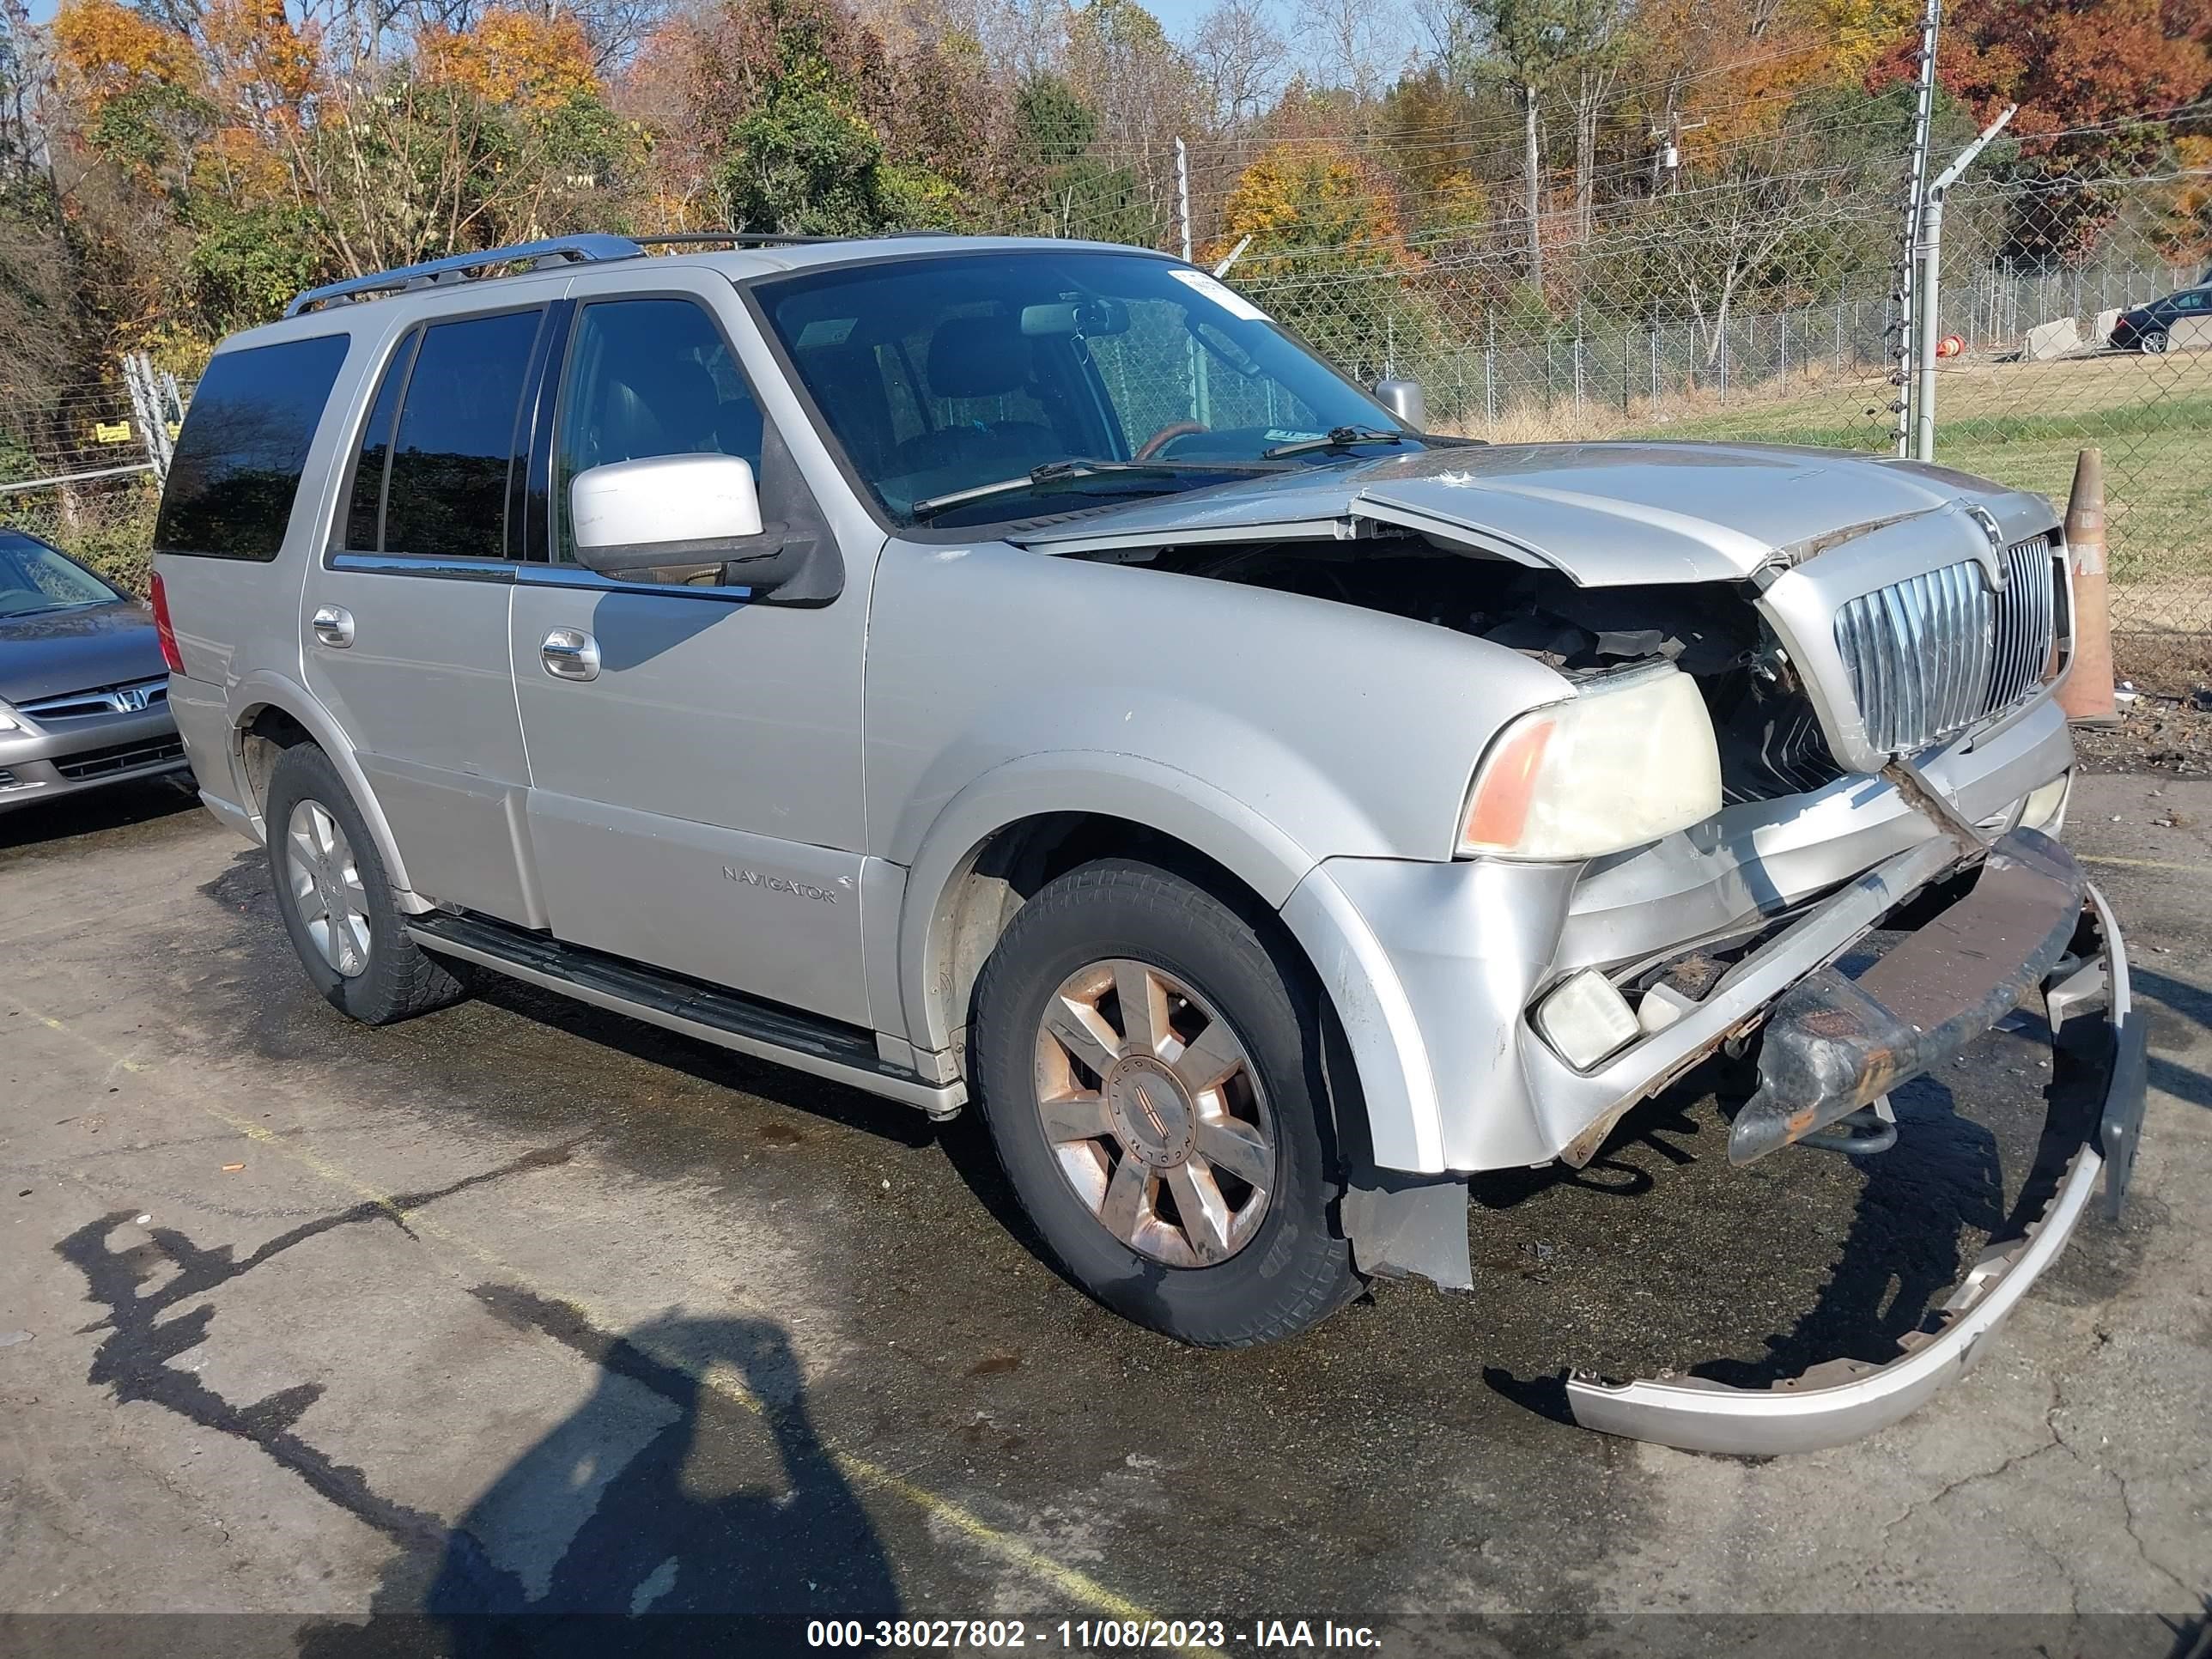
[{"x": 162, "y": 631}]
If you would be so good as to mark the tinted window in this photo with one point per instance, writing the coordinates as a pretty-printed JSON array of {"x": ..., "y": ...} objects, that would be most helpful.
[
  {"x": 245, "y": 438},
  {"x": 447, "y": 496},
  {"x": 650, "y": 377},
  {"x": 365, "y": 501}
]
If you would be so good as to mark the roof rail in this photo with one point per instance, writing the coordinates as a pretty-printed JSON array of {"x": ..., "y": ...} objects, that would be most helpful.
[{"x": 588, "y": 249}]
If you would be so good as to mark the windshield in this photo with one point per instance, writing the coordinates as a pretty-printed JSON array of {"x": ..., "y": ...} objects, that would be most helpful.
[
  {"x": 34, "y": 577},
  {"x": 944, "y": 375}
]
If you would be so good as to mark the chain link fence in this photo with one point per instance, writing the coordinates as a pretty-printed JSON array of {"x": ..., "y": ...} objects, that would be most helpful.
[
  {"x": 75, "y": 469},
  {"x": 1764, "y": 307},
  {"x": 1767, "y": 309}
]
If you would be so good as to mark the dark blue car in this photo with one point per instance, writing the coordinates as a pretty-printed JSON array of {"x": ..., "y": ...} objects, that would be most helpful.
[{"x": 2148, "y": 327}]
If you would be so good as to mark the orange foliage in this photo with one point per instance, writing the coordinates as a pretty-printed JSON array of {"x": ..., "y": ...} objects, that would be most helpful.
[
  {"x": 261, "y": 62},
  {"x": 515, "y": 57},
  {"x": 1313, "y": 196},
  {"x": 102, "y": 49}
]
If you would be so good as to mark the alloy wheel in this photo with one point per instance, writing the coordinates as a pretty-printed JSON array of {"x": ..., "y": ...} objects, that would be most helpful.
[
  {"x": 326, "y": 886},
  {"x": 1154, "y": 1112}
]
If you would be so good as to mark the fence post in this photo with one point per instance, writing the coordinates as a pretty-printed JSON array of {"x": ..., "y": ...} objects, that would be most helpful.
[
  {"x": 1783, "y": 373},
  {"x": 1723, "y": 363},
  {"x": 1579, "y": 370},
  {"x": 1490, "y": 374}
]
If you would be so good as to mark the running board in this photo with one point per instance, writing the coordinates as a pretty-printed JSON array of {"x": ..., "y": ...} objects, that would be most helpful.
[{"x": 765, "y": 1030}]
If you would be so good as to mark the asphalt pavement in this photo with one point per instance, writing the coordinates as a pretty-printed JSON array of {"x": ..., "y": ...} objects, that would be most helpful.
[{"x": 521, "y": 1307}]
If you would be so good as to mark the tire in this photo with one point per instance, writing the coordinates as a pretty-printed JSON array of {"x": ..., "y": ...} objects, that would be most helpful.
[
  {"x": 1245, "y": 1276},
  {"x": 365, "y": 965},
  {"x": 2154, "y": 344}
]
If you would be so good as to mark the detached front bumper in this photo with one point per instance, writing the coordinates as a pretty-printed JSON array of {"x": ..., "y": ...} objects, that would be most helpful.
[{"x": 1836, "y": 1048}]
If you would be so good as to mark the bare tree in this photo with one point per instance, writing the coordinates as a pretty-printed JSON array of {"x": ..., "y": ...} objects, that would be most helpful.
[
  {"x": 1240, "y": 60},
  {"x": 1355, "y": 44}
]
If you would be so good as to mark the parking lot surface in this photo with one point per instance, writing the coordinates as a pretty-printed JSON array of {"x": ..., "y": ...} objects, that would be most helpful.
[{"x": 524, "y": 1307}]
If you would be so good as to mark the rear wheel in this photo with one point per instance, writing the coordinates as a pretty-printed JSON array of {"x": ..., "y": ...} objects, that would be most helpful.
[
  {"x": 2154, "y": 344},
  {"x": 1149, "y": 1060},
  {"x": 335, "y": 897}
]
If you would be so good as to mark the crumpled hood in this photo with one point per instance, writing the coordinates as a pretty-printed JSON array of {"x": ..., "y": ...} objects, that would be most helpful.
[{"x": 1605, "y": 513}]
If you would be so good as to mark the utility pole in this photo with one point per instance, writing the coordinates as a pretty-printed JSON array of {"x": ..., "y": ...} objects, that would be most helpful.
[
  {"x": 1667, "y": 159},
  {"x": 1931, "y": 20},
  {"x": 1930, "y": 248}
]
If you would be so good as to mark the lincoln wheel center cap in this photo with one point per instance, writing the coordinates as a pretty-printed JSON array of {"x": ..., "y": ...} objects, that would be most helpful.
[{"x": 1151, "y": 1112}]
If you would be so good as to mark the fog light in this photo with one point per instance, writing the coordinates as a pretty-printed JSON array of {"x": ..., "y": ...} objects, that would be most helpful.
[
  {"x": 1586, "y": 1020},
  {"x": 2044, "y": 809}
]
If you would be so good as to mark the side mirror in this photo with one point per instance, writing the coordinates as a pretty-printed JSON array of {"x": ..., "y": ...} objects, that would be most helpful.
[
  {"x": 663, "y": 511},
  {"x": 1405, "y": 399}
]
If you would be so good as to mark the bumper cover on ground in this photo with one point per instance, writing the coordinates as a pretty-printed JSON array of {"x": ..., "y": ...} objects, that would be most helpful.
[{"x": 2095, "y": 1028}]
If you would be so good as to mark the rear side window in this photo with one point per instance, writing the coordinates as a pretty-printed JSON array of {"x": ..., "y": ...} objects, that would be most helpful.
[
  {"x": 246, "y": 437},
  {"x": 455, "y": 443}
]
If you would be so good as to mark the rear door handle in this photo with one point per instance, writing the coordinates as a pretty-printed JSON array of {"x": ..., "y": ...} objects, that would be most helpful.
[
  {"x": 333, "y": 626},
  {"x": 569, "y": 653}
]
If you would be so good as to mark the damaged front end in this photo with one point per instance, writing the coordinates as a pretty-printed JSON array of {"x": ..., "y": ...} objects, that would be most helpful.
[
  {"x": 2096, "y": 1105},
  {"x": 1876, "y": 647}
]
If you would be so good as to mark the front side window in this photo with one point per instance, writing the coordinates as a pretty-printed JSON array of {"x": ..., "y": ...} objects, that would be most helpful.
[
  {"x": 648, "y": 378},
  {"x": 941, "y": 375},
  {"x": 244, "y": 445},
  {"x": 35, "y": 578},
  {"x": 452, "y": 446}
]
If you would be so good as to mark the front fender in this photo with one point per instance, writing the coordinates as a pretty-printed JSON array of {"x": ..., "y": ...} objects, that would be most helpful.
[
  {"x": 1159, "y": 797},
  {"x": 1378, "y": 1018}
]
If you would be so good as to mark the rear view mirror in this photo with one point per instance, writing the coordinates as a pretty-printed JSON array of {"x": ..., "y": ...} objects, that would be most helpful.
[
  {"x": 663, "y": 511},
  {"x": 1094, "y": 319}
]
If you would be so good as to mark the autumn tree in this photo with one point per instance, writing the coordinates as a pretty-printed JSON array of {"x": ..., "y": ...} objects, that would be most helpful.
[{"x": 2091, "y": 76}]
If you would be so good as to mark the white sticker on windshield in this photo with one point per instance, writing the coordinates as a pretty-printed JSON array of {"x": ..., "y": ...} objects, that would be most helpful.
[{"x": 1222, "y": 295}]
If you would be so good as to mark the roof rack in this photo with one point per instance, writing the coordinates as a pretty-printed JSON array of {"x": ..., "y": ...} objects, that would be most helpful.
[{"x": 589, "y": 249}]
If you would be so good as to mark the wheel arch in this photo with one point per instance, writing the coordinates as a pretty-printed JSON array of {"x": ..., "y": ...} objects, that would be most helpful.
[
  {"x": 1004, "y": 838},
  {"x": 269, "y": 715}
]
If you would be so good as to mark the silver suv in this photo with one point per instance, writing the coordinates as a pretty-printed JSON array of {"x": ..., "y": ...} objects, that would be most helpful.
[{"x": 1020, "y": 672}]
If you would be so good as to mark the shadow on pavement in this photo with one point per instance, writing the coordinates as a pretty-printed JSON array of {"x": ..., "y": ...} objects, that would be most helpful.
[
  {"x": 687, "y": 1506},
  {"x": 96, "y": 811}
]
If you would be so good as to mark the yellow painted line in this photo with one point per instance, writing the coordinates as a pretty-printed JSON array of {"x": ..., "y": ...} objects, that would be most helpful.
[
  {"x": 1068, "y": 1581},
  {"x": 2144, "y": 864}
]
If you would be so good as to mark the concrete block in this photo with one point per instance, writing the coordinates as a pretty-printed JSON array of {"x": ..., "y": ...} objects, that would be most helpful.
[{"x": 2050, "y": 340}]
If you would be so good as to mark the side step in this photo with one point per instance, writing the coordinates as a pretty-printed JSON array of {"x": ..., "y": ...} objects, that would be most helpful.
[{"x": 764, "y": 1030}]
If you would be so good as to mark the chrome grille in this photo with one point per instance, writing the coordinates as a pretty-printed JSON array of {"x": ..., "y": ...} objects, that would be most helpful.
[
  {"x": 1929, "y": 656},
  {"x": 131, "y": 697},
  {"x": 2025, "y": 622}
]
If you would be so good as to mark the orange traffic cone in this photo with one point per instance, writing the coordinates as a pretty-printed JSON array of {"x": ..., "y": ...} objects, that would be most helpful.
[{"x": 2087, "y": 696}]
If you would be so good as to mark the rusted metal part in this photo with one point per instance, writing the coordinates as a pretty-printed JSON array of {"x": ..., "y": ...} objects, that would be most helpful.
[
  {"x": 1933, "y": 804},
  {"x": 1840, "y": 1399},
  {"x": 1833, "y": 1044}
]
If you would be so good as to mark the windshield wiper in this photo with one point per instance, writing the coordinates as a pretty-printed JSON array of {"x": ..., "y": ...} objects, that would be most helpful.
[
  {"x": 1340, "y": 437},
  {"x": 1053, "y": 473}
]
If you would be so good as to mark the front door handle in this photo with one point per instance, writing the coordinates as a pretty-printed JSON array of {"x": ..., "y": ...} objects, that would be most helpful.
[
  {"x": 569, "y": 653},
  {"x": 333, "y": 626}
]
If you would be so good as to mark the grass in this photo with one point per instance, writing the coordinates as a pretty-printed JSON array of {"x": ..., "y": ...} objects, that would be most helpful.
[{"x": 2022, "y": 424}]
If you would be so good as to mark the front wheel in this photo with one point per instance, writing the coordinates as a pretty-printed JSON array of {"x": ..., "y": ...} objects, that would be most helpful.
[{"x": 1150, "y": 1073}]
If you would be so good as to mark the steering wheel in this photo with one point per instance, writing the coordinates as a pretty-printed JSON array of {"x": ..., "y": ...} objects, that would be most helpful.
[{"x": 1160, "y": 439}]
